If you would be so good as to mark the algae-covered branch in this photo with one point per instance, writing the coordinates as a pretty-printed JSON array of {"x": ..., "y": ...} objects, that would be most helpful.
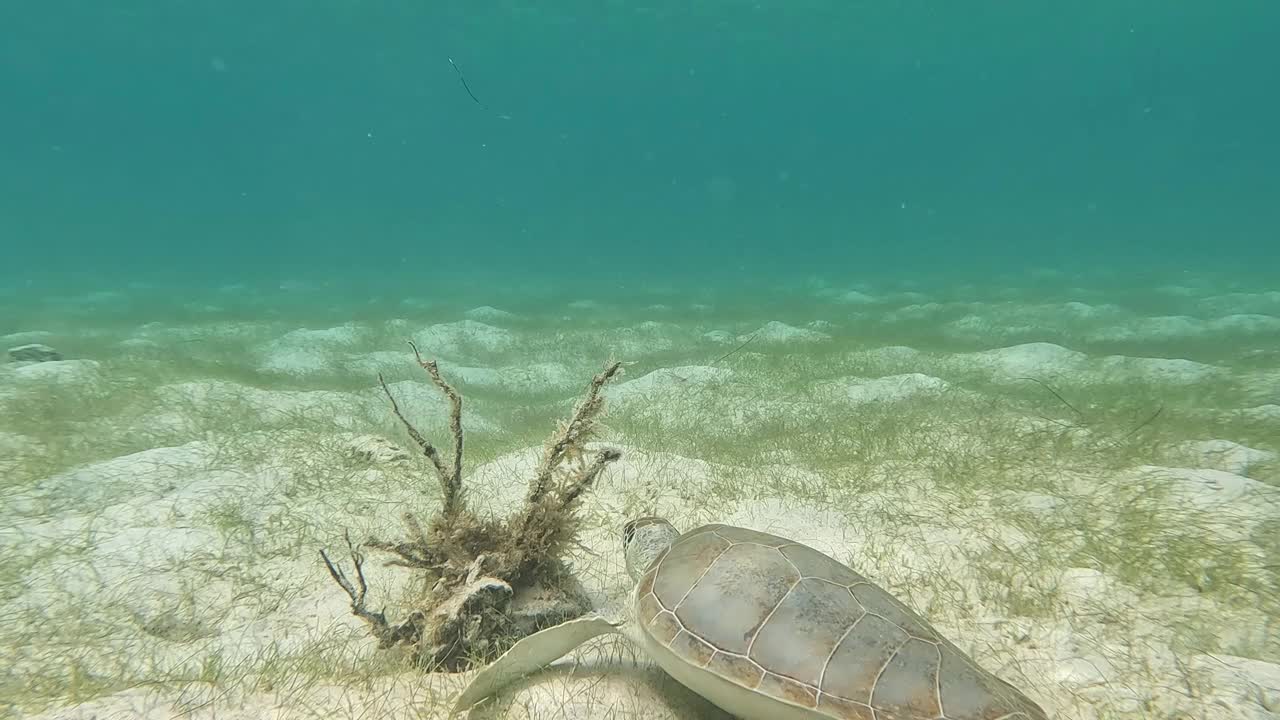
[{"x": 489, "y": 581}]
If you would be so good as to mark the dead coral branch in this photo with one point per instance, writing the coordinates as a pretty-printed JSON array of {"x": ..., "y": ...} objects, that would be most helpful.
[
  {"x": 572, "y": 435},
  {"x": 450, "y": 477},
  {"x": 488, "y": 582},
  {"x": 386, "y": 634}
]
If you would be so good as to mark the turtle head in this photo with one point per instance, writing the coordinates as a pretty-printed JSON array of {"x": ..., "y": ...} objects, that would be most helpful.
[{"x": 644, "y": 539}]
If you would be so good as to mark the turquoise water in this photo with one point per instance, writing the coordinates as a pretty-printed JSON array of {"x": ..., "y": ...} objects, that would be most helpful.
[
  {"x": 236, "y": 140},
  {"x": 978, "y": 298}
]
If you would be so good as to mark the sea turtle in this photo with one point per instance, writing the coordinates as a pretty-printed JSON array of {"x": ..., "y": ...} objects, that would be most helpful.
[{"x": 769, "y": 629}]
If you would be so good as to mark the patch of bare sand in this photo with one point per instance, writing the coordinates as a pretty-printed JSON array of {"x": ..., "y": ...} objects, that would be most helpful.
[{"x": 1102, "y": 649}]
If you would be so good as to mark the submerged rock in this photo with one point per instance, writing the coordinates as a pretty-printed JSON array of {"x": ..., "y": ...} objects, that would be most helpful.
[
  {"x": 488, "y": 313},
  {"x": 59, "y": 372},
  {"x": 459, "y": 338},
  {"x": 1226, "y": 455},
  {"x": 779, "y": 332},
  {"x": 35, "y": 352},
  {"x": 853, "y": 297},
  {"x": 891, "y": 388},
  {"x": 377, "y": 450},
  {"x": 1037, "y": 358}
]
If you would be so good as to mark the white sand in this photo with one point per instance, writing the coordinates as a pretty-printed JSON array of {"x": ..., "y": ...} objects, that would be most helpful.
[{"x": 1108, "y": 583}]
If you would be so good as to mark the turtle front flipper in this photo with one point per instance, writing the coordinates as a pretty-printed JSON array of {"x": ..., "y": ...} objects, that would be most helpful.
[{"x": 530, "y": 654}]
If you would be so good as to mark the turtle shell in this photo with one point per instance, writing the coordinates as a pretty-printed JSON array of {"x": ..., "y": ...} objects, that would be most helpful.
[{"x": 779, "y": 618}]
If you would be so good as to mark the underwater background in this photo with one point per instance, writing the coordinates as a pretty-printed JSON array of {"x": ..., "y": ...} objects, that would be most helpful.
[
  {"x": 228, "y": 141},
  {"x": 979, "y": 299}
]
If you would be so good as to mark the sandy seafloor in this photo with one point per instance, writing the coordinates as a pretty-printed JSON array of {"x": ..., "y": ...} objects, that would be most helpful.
[{"x": 1075, "y": 479}]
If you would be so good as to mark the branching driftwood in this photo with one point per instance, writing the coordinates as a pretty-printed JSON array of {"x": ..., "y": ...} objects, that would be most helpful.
[{"x": 490, "y": 581}]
